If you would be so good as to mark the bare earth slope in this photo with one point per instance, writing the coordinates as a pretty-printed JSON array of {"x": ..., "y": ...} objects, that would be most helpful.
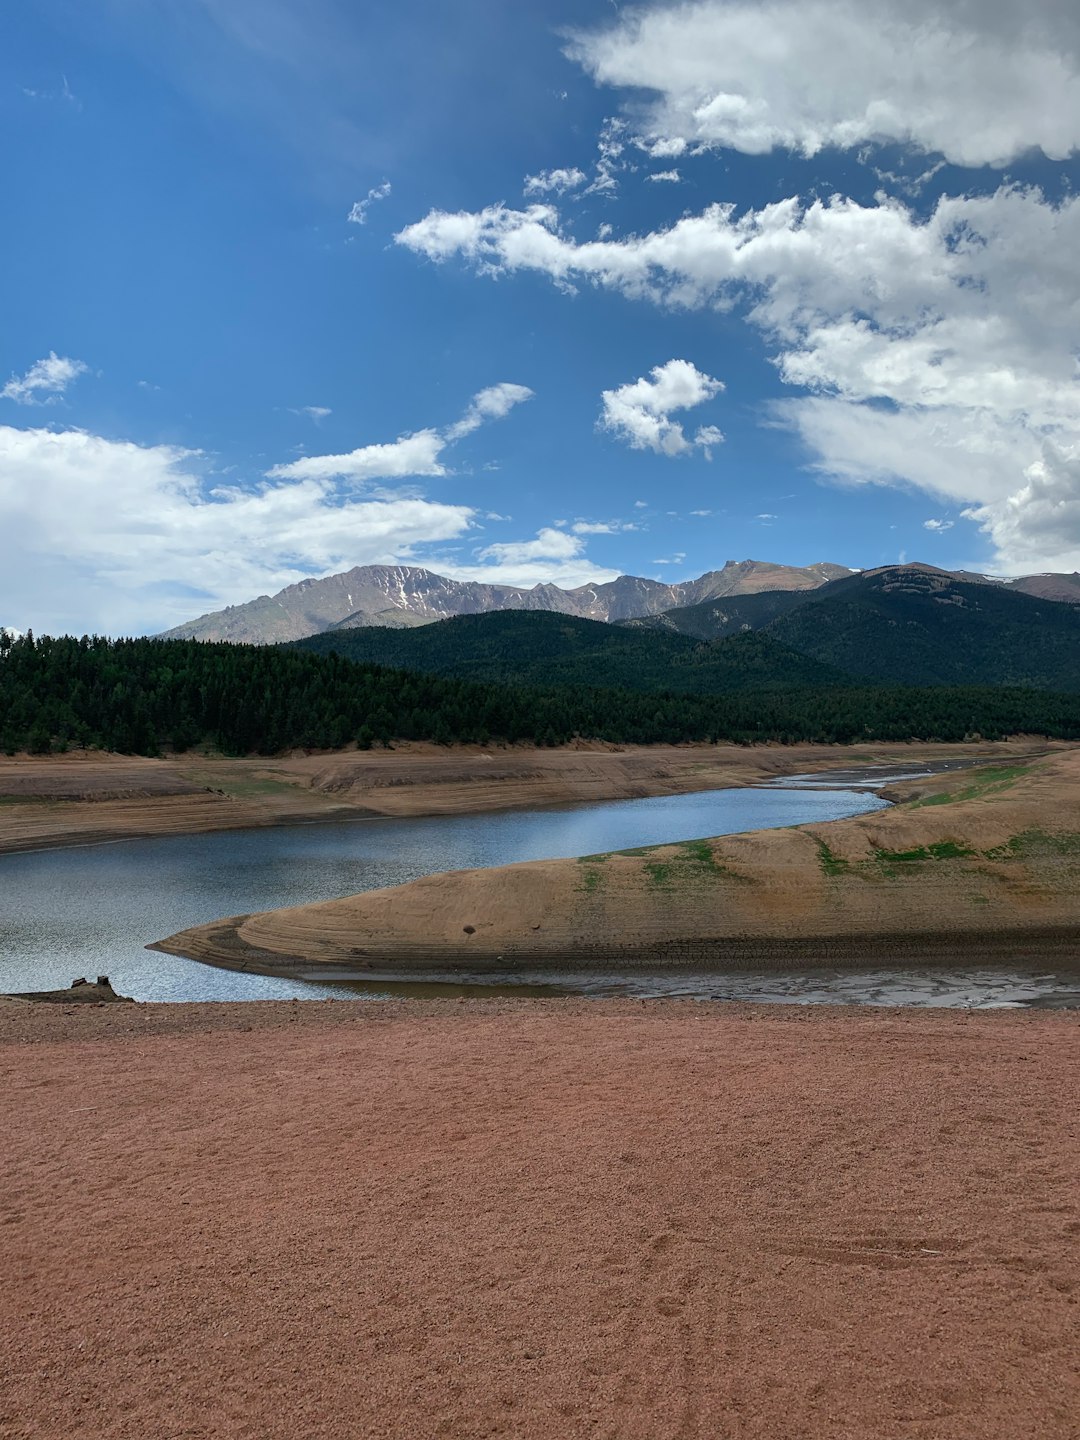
[
  {"x": 541, "y": 1220},
  {"x": 993, "y": 869}
]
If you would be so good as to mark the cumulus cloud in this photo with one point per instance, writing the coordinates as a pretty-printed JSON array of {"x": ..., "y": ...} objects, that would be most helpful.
[
  {"x": 640, "y": 412},
  {"x": 938, "y": 527},
  {"x": 671, "y": 176},
  {"x": 45, "y": 382},
  {"x": 313, "y": 412},
  {"x": 554, "y": 182},
  {"x": 107, "y": 534},
  {"x": 934, "y": 350},
  {"x": 358, "y": 214},
  {"x": 980, "y": 83},
  {"x": 1037, "y": 526},
  {"x": 417, "y": 454}
]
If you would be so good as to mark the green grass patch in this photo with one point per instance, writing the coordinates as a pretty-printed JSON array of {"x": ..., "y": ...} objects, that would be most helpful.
[
  {"x": 591, "y": 881},
  {"x": 1030, "y": 844},
  {"x": 660, "y": 874},
  {"x": 992, "y": 781},
  {"x": 833, "y": 865}
]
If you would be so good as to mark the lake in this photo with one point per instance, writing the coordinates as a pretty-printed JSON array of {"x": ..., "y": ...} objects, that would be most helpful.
[{"x": 91, "y": 910}]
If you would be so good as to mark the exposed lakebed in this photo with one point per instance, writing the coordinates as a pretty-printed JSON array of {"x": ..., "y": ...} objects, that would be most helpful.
[{"x": 93, "y": 909}]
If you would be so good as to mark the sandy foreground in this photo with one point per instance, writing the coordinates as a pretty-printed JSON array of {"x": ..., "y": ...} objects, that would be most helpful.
[
  {"x": 538, "y": 1218},
  {"x": 85, "y": 797},
  {"x": 979, "y": 866}
]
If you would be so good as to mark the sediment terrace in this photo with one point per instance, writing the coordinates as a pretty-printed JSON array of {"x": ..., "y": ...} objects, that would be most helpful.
[{"x": 979, "y": 865}]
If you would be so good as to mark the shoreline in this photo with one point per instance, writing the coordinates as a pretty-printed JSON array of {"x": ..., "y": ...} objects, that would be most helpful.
[
  {"x": 81, "y": 798},
  {"x": 982, "y": 863},
  {"x": 222, "y": 946}
]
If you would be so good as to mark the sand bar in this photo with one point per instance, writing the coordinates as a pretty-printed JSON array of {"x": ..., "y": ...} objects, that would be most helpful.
[{"x": 537, "y": 1219}]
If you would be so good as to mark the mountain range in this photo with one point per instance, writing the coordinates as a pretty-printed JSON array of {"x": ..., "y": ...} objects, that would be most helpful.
[
  {"x": 404, "y": 596},
  {"x": 897, "y": 625},
  {"x": 400, "y": 596}
]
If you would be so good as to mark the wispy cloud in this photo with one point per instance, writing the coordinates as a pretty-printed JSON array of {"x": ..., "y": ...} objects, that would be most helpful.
[
  {"x": 554, "y": 182},
  {"x": 358, "y": 214},
  {"x": 46, "y": 380}
]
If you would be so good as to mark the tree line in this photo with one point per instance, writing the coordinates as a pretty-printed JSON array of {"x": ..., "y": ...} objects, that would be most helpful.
[{"x": 147, "y": 696}]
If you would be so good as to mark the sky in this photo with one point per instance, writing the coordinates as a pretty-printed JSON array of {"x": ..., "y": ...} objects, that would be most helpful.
[{"x": 530, "y": 293}]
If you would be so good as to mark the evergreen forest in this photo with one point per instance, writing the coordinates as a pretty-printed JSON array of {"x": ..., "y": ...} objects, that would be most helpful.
[{"x": 148, "y": 696}]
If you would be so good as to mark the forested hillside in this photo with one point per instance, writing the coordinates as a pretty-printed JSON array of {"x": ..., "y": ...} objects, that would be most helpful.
[
  {"x": 540, "y": 648},
  {"x": 907, "y": 625},
  {"x": 916, "y": 626},
  {"x": 138, "y": 696},
  {"x": 718, "y": 619}
]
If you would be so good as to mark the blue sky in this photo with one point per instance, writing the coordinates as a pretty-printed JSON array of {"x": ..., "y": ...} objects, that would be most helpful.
[{"x": 530, "y": 292}]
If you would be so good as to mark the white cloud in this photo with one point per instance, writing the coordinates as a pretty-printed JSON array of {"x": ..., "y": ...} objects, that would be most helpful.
[
  {"x": 1037, "y": 526},
  {"x": 640, "y": 413},
  {"x": 313, "y": 412},
  {"x": 938, "y": 526},
  {"x": 670, "y": 176},
  {"x": 701, "y": 512},
  {"x": 676, "y": 559},
  {"x": 979, "y": 82},
  {"x": 491, "y": 404},
  {"x": 603, "y": 527},
  {"x": 548, "y": 545},
  {"x": 610, "y": 148},
  {"x": 553, "y": 557},
  {"x": 938, "y": 351},
  {"x": 45, "y": 381},
  {"x": 416, "y": 454},
  {"x": 358, "y": 214},
  {"x": 107, "y": 535},
  {"x": 554, "y": 182}
]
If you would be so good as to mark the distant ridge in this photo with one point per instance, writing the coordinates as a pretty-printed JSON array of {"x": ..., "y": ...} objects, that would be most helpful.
[
  {"x": 399, "y": 596},
  {"x": 895, "y": 625}
]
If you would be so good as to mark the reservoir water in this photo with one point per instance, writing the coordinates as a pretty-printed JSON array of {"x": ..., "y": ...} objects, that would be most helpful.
[{"x": 91, "y": 910}]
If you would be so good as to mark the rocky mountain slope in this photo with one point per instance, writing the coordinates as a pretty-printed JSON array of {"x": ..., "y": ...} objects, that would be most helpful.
[{"x": 401, "y": 596}]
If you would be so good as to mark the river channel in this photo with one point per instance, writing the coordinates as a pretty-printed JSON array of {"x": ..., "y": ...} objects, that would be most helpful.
[{"x": 91, "y": 910}]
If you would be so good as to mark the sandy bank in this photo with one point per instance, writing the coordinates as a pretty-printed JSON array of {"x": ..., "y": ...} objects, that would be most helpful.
[
  {"x": 539, "y": 1219},
  {"x": 981, "y": 865},
  {"x": 83, "y": 798}
]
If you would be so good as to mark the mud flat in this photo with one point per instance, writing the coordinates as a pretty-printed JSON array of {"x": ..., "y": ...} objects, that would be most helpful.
[
  {"x": 88, "y": 797},
  {"x": 981, "y": 865},
  {"x": 538, "y": 1218}
]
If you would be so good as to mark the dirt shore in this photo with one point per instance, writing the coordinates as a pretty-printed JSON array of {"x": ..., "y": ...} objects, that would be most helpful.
[
  {"x": 82, "y": 798},
  {"x": 538, "y": 1219},
  {"x": 978, "y": 866}
]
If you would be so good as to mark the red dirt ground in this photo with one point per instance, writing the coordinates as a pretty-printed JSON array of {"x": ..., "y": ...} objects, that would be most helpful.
[{"x": 538, "y": 1219}]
